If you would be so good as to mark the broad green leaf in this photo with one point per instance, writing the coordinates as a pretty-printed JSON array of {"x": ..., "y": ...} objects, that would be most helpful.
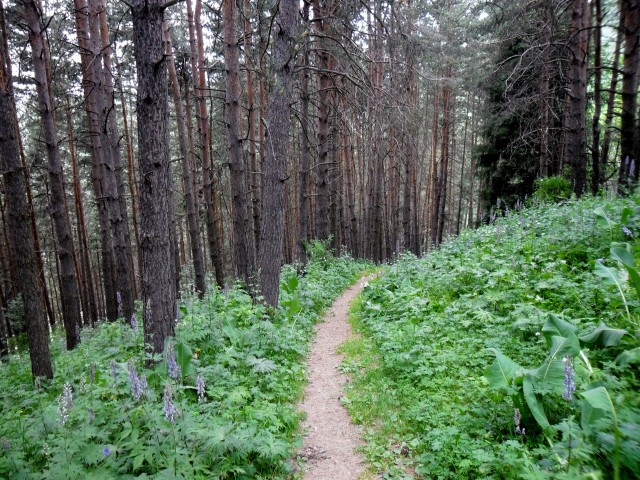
[
  {"x": 599, "y": 398},
  {"x": 609, "y": 275},
  {"x": 590, "y": 416},
  {"x": 550, "y": 375},
  {"x": 532, "y": 402},
  {"x": 604, "y": 336},
  {"x": 502, "y": 372},
  {"x": 629, "y": 356},
  {"x": 622, "y": 253},
  {"x": 556, "y": 327},
  {"x": 626, "y": 214},
  {"x": 602, "y": 216},
  {"x": 184, "y": 355}
]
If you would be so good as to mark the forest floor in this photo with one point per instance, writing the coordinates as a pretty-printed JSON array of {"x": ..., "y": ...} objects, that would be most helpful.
[{"x": 331, "y": 440}]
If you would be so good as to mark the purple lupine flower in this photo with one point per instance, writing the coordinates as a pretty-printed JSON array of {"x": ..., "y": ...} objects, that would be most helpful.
[
  {"x": 200, "y": 388},
  {"x": 569, "y": 375},
  {"x": 5, "y": 444},
  {"x": 106, "y": 452},
  {"x": 65, "y": 403},
  {"x": 138, "y": 385},
  {"x": 172, "y": 365},
  {"x": 134, "y": 322},
  {"x": 627, "y": 232},
  {"x": 170, "y": 410}
]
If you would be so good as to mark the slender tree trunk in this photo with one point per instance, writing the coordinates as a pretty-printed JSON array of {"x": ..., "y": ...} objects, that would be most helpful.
[
  {"x": 253, "y": 176},
  {"x": 575, "y": 147},
  {"x": 597, "y": 94},
  {"x": 192, "y": 212},
  {"x": 305, "y": 150},
  {"x": 196, "y": 41},
  {"x": 630, "y": 12},
  {"x": 19, "y": 227},
  {"x": 606, "y": 140},
  {"x": 93, "y": 106},
  {"x": 243, "y": 250},
  {"x": 158, "y": 268},
  {"x": 69, "y": 291},
  {"x": 278, "y": 126},
  {"x": 543, "y": 169},
  {"x": 90, "y": 310},
  {"x": 112, "y": 184}
]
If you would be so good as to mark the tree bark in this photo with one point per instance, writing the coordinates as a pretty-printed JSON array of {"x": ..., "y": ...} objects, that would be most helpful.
[
  {"x": 192, "y": 212},
  {"x": 278, "y": 126},
  {"x": 69, "y": 291},
  {"x": 196, "y": 42},
  {"x": 158, "y": 269},
  {"x": 575, "y": 147},
  {"x": 243, "y": 250},
  {"x": 597, "y": 94},
  {"x": 20, "y": 234},
  {"x": 630, "y": 12},
  {"x": 93, "y": 106}
]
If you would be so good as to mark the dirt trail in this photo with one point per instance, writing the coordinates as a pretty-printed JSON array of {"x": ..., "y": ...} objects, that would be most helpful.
[{"x": 331, "y": 438}]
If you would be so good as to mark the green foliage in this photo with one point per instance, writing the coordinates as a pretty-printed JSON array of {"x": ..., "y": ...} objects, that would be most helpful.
[
  {"x": 552, "y": 189},
  {"x": 455, "y": 342},
  {"x": 242, "y": 426}
]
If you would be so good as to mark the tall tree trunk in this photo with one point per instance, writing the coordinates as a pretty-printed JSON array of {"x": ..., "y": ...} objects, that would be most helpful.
[
  {"x": 305, "y": 150},
  {"x": 630, "y": 12},
  {"x": 192, "y": 212},
  {"x": 90, "y": 310},
  {"x": 254, "y": 174},
  {"x": 69, "y": 291},
  {"x": 597, "y": 94},
  {"x": 19, "y": 227},
  {"x": 606, "y": 140},
  {"x": 112, "y": 183},
  {"x": 93, "y": 106},
  {"x": 158, "y": 269},
  {"x": 545, "y": 75},
  {"x": 575, "y": 147},
  {"x": 278, "y": 126},
  {"x": 243, "y": 250},
  {"x": 196, "y": 42},
  {"x": 323, "y": 182}
]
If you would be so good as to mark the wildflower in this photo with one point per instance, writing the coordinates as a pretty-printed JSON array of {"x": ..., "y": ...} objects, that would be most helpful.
[
  {"x": 172, "y": 365},
  {"x": 113, "y": 371},
  {"x": 119, "y": 300},
  {"x": 92, "y": 373},
  {"x": 170, "y": 410},
  {"x": 516, "y": 420},
  {"x": 134, "y": 322},
  {"x": 627, "y": 232},
  {"x": 46, "y": 451},
  {"x": 569, "y": 374},
  {"x": 65, "y": 403},
  {"x": 200, "y": 388},
  {"x": 138, "y": 384},
  {"x": 5, "y": 443},
  {"x": 106, "y": 452}
]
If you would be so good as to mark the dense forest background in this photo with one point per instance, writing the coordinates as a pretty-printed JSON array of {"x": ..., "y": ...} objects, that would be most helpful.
[{"x": 152, "y": 148}]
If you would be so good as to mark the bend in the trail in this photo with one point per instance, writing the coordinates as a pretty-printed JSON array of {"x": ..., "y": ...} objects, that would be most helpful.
[{"x": 330, "y": 437}]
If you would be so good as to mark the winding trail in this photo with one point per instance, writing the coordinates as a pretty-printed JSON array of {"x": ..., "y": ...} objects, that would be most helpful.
[{"x": 330, "y": 437}]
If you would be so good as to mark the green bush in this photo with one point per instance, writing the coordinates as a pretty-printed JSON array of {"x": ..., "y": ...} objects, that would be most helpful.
[{"x": 552, "y": 189}]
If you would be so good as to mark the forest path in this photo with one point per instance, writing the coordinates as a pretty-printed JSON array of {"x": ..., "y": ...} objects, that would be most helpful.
[{"x": 330, "y": 437}]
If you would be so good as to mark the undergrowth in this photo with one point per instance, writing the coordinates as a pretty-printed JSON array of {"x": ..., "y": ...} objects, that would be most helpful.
[
  {"x": 510, "y": 352},
  {"x": 220, "y": 404}
]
